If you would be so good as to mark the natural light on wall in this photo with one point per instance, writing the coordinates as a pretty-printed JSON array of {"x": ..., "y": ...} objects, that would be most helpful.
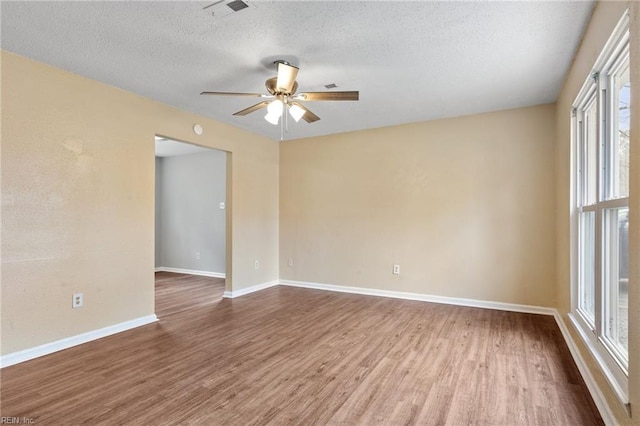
[{"x": 601, "y": 121}]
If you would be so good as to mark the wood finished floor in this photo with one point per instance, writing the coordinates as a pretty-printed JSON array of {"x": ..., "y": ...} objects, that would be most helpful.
[{"x": 296, "y": 356}]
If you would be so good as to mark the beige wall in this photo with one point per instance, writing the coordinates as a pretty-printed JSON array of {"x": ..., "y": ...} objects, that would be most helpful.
[
  {"x": 78, "y": 201},
  {"x": 464, "y": 205},
  {"x": 606, "y": 15}
]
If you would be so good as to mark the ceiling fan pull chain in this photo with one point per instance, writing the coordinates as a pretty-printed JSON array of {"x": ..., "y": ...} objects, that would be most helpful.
[{"x": 286, "y": 114}]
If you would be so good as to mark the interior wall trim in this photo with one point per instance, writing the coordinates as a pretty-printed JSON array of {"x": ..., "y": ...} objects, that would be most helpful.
[
  {"x": 248, "y": 290},
  {"x": 58, "y": 345},
  {"x": 592, "y": 386},
  {"x": 596, "y": 393},
  {"x": 530, "y": 309},
  {"x": 191, "y": 272}
]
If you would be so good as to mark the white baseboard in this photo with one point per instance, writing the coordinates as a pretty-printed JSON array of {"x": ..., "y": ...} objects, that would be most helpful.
[
  {"x": 595, "y": 391},
  {"x": 48, "y": 348},
  {"x": 191, "y": 272},
  {"x": 592, "y": 386},
  {"x": 424, "y": 297},
  {"x": 252, "y": 289}
]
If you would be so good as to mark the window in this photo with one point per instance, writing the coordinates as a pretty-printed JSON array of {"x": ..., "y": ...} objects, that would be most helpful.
[{"x": 601, "y": 118}]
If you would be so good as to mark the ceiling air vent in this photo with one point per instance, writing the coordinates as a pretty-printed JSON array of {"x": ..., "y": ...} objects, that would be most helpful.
[
  {"x": 237, "y": 5},
  {"x": 224, "y": 8}
]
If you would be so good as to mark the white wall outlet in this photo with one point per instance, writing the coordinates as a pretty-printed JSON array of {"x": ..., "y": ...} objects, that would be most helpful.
[
  {"x": 290, "y": 263},
  {"x": 256, "y": 264},
  {"x": 396, "y": 269},
  {"x": 198, "y": 255},
  {"x": 77, "y": 300},
  {"x": 221, "y": 205}
]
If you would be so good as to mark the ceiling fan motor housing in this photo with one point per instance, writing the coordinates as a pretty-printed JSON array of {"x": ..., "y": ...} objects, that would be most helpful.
[{"x": 271, "y": 85}]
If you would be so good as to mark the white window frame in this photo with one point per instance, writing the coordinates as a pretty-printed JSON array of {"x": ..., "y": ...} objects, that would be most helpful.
[{"x": 611, "y": 361}]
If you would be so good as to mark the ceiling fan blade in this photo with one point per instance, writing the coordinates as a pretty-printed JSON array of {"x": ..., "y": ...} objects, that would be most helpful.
[
  {"x": 256, "y": 95},
  {"x": 252, "y": 108},
  {"x": 286, "y": 77},
  {"x": 308, "y": 116},
  {"x": 329, "y": 96}
]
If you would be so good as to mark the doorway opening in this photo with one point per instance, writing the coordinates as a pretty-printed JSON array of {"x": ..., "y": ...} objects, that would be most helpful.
[{"x": 190, "y": 222}]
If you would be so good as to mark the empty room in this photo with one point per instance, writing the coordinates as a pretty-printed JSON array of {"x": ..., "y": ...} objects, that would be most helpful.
[{"x": 251, "y": 212}]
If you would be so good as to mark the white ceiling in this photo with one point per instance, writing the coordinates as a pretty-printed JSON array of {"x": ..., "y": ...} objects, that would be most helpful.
[{"x": 411, "y": 60}]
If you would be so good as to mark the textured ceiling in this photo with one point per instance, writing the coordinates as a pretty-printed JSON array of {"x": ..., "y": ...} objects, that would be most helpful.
[{"x": 411, "y": 60}]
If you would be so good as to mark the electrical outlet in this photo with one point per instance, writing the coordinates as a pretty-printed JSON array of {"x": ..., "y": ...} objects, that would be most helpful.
[
  {"x": 198, "y": 255},
  {"x": 290, "y": 263},
  {"x": 396, "y": 269},
  {"x": 77, "y": 300},
  {"x": 256, "y": 265}
]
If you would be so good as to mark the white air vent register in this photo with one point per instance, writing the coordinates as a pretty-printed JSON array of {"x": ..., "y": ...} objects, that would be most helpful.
[{"x": 223, "y": 8}]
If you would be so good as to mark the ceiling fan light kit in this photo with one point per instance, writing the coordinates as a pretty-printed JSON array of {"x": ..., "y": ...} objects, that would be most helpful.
[
  {"x": 282, "y": 93},
  {"x": 274, "y": 111},
  {"x": 296, "y": 112}
]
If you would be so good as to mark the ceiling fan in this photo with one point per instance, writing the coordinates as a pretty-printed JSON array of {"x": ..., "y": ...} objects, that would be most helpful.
[{"x": 282, "y": 95}]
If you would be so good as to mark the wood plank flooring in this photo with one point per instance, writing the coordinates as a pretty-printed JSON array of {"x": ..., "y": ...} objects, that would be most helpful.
[{"x": 306, "y": 357}]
